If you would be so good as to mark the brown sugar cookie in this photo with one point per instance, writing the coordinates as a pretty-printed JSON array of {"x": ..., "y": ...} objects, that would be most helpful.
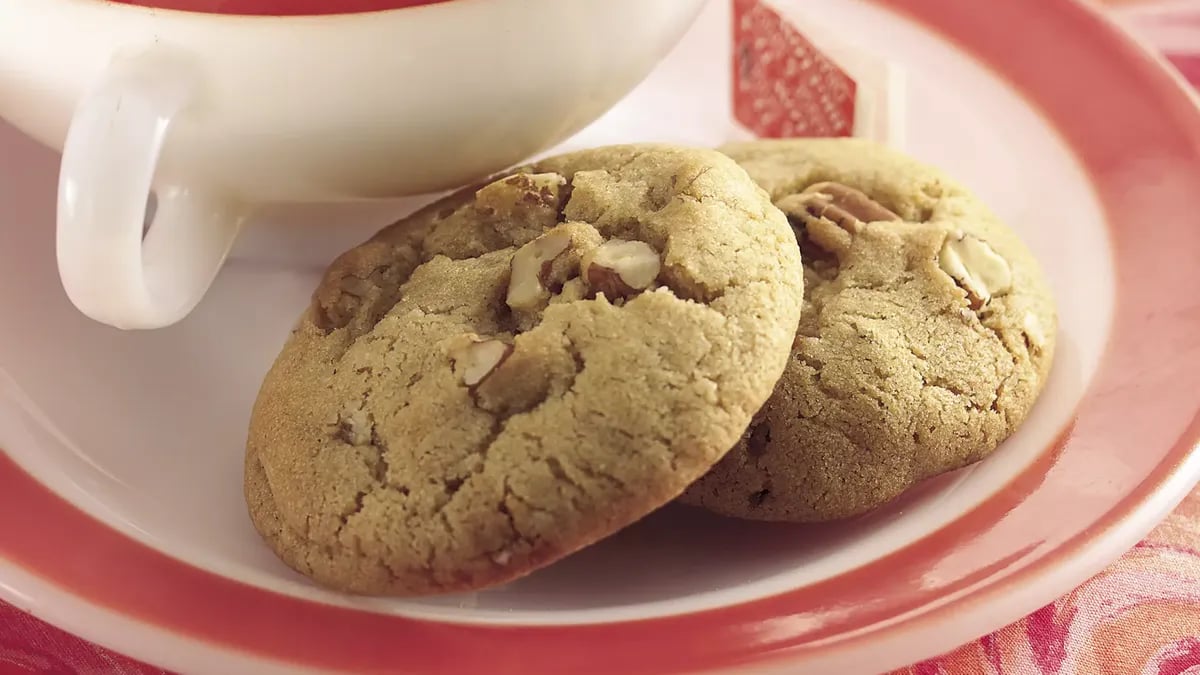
[
  {"x": 927, "y": 333},
  {"x": 521, "y": 369}
]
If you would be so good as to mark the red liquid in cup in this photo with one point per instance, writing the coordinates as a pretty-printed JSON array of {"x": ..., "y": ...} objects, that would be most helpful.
[{"x": 279, "y": 7}]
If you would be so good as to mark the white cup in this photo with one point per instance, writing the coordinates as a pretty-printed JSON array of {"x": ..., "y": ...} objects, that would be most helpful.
[{"x": 218, "y": 112}]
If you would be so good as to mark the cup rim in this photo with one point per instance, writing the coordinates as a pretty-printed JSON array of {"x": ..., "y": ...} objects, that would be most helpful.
[{"x": 411, "y": 6}]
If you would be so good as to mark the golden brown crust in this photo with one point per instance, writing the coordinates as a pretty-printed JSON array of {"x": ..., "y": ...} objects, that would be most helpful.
[
  {"x": 398, "y": 447},
  {"x": 899, "y": 370}
]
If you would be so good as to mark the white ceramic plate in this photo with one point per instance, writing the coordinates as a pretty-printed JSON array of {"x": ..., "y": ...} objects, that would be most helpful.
[{"x": 120, "y": 497}]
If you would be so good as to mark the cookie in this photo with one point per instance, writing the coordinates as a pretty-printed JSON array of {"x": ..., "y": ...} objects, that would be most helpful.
[
  {"x": 521, "y": 369},
  {"x": 927, "y": 333}
]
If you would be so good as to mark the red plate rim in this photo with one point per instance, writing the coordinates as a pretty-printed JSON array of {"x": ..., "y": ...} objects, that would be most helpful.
[{"x": 1136, "y": 131}]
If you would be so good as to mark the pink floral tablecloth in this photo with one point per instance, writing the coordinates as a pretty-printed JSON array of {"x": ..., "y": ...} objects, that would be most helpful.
[{"x": 1141, "y": 616}]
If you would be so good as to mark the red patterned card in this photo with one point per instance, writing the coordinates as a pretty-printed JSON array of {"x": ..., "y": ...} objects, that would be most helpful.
[{"x": 791, "y": 79}]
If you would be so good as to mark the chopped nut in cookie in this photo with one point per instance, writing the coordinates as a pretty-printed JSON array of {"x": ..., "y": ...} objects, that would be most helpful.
[
  {"x": 355, "y": 426},
  {"x": 842, "y": 204},
  {"x": 545, "y": 266},
  {"x": 1034, "y": 335},
  {"x": 527, "y": 288},
  {"x": 524, "y": 203},
  {"x": 572, "y": 291},
  {"x": 621, "y": 269},
  {"x": 520, "y": 192},
  {"x": 976, "y": 268},
  {"x": 475, "y": 359},
  {"x": 829, "y": 214}
]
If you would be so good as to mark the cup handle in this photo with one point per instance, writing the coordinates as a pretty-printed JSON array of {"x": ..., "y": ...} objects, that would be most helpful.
[{"x": 111, "y": 271}]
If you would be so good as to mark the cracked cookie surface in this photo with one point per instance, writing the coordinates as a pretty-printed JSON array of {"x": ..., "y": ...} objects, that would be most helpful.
[
  {"x": 521, "y": 369},
  {"x": 926, "y": 335}
]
